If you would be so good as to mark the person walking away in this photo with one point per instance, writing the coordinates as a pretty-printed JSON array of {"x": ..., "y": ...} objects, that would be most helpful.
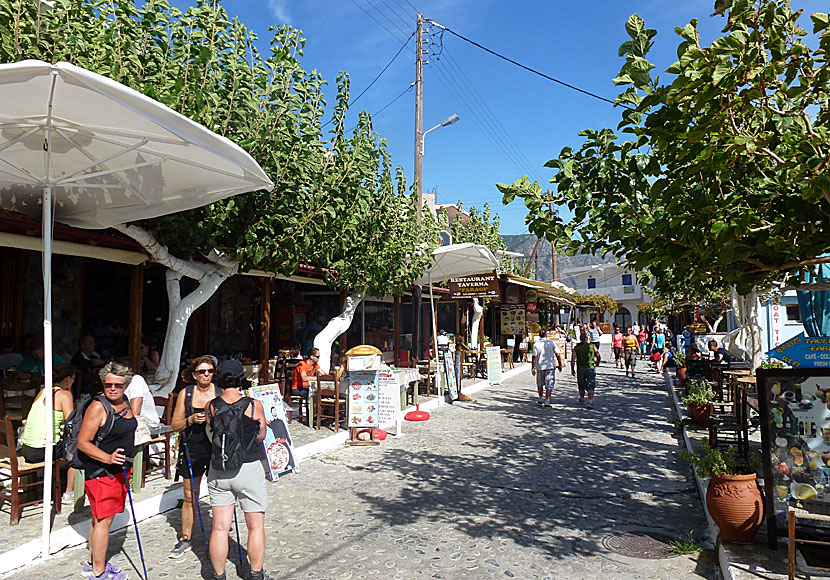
[
  {"x": 237, "y": 469},
  {"x": 586, "y": 357},
  {"x": 595, "y": 332},
  {"x": 104, "y": 460},
  {"x": 667, "y": 365},
  {"x": 189, "y": 418},
  {"x": 546, "y": 359},
  {"x": 630, "y": 348},
  {"x": 33, "y": 441},
  {"x": 617, "y": 343}
]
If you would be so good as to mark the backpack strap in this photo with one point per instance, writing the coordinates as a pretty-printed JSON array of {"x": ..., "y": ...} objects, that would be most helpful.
[{"x": 188, "y": 400}]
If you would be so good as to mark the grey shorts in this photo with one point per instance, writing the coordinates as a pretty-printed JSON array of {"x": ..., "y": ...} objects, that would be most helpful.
[
  {"x": 586, "y": 378},
  {"x": 246, "y": 485},
  {"x": 546, "y": 378}
]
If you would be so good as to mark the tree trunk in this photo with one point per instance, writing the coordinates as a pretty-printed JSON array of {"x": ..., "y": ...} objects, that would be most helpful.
[
  {"x": 209, "y": 276},
  {"x": 745, "y": 341},
  {"x": 336, "y": 326},
  {"x": 478, "y": 311}
]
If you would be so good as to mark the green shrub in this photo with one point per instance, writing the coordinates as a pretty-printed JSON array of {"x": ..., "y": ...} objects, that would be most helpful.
[
  {"x": 717, "y": 462},
  {"x": 700, "y": 392}
]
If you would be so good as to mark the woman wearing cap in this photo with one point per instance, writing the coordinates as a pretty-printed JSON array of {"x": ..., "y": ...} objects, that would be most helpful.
[
  {"x": 189, "y": 418},
  {"x": 245, "y": 484}
]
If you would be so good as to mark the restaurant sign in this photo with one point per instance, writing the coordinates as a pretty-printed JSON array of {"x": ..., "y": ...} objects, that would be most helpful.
[{"x": 479, "y": 286}]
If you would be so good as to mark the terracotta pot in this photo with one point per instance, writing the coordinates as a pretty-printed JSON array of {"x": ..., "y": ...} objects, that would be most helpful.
[
  {"x": 680, "y": 373},
  {"x": 700, "y": 414},
  {"x": 734, "y": 502}
]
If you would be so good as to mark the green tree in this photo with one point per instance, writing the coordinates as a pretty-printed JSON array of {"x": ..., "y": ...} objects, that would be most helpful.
[{"x": 724, "y": 176}]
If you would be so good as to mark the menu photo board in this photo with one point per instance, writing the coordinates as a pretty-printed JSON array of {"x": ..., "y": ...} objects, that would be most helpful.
[
  {"x": 363, "y": 397},
  {"x": 794, "y": 405},
  {"x": 452, "y": 377},
  {"x": 513, "y": 319},
  {"x": 279, "y": 449},
  {"x": 493, "y": 365}
]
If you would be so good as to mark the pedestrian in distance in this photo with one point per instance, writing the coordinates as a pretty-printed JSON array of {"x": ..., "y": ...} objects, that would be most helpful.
[
  {"x": 189, "y": 418},
  {"x": 617, "y": 344},
  {"x": 642, "y": 339},
  {"x": 585, "y": 358},
  {"x": 595, "y": 332},
  {"x": 546, "y": 359},
  {"x": 630, "y": 348},
  {"x": 104, "y": 460},
  {"x": 237, "y": 469},
  {"x": 667, "y": 365}
]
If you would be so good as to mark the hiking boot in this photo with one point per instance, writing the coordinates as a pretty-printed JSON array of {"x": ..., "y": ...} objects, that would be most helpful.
[
  {"x": 179, "y": 549},
  {"x": 590, "y": 404},
  {"x": 547, "y": 404},
  {"x": 540, "y": 403},
  {"x": 86, "y": 571},
  {"x": 222, "y": 576},
  {"x": 258, "y": 575}
]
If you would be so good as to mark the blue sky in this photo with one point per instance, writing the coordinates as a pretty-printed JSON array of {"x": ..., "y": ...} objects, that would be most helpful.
[{"x": 512, "y": 121}]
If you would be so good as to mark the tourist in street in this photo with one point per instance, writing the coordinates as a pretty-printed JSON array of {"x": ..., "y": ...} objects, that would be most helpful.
[
  {"x": 189, "y": 418},
  {"x": 617, "y": 344},
  {"x": 642, "y": 339},
  {"x": 546, "y": 359},
  {"x": 104, "y": 461},
  {"x": 667, "y": 366},
  {"x": 595, "y": 332},
  {"x": 244, "y": 481},
  {"x": 658, "y": 341},
  {"x": 33, "y": 439},
  {"x": 585, "y": 358},
  {"x": 631, "y": 347}
]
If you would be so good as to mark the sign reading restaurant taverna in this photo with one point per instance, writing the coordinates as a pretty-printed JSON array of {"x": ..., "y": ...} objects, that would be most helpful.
[{"x": 478, "y": 286}]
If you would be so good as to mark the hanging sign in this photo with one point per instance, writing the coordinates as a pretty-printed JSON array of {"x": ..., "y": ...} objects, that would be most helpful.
[
  {"x": 363, "y": 397},
  {"x": 493, "y": 365},
  {"x": 479, "y": 286},
  {"x": 279, "y": 448},
  {"x": 804, "y": 351},
  {"x": 452, "y": 378},
  {"x": 777, "y": 323}
]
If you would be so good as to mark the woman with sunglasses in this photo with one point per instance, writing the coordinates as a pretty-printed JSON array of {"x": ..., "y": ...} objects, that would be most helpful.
[
  {"x": 106, "y": 486},
  {"x": 189, "y": 418}
]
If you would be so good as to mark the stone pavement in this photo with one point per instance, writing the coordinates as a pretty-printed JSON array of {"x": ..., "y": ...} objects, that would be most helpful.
[{"x": 493, "y": 488}]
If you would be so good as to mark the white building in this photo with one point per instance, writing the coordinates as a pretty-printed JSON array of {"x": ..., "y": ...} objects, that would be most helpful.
[
  {"x": 614, "y": 280},
  {"x": 780, "y": 322}
]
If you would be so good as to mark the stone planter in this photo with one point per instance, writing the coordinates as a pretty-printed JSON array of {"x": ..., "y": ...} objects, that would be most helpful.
[
  {"x": 699, "y": 413},
  {"x": 734, "y": 502}
]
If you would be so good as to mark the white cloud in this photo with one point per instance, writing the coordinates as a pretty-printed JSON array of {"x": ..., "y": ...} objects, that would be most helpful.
[{"x": 279, "y": 8}]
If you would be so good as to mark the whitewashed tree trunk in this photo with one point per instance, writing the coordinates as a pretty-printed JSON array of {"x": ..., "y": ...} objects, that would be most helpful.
[
  {"x": 336, "y": 326},
  {"x": 745, "y": 341},
  {"x": 209, "y": 276},
  {"x": 478, "y": 311}
]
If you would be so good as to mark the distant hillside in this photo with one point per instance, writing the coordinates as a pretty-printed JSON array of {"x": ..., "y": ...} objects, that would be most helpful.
[{"x": 524, "y": 244}]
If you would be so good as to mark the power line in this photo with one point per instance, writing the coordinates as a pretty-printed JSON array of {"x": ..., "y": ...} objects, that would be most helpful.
[
  {"x": 397, "y": 54},
  {"x": 387, "y": 105},
  {"x": 520, "y": 65},
  {"x": 378, "y": 22},
  {"x": 382, "y": 13}
]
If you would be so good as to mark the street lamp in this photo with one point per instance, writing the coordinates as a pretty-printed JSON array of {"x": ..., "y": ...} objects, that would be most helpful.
[{"x": 448, "y": 121}]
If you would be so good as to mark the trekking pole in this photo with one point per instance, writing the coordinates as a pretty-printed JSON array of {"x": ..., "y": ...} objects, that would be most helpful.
[
  {"x": 195, "y": 494},
  {"x": 135, "y": 522},
  {"x": 238, "y": 543}
]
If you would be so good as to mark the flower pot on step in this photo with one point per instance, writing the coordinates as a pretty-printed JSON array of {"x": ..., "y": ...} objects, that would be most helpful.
[
  {"x": 734, "y": 502},
  {"x": 680, "y": 373},
  {"x": 699, "y": 413}
]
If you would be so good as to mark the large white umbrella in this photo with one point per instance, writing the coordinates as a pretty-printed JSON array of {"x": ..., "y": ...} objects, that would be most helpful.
[
  {"x": 89, "y": 152},
  {"x": 454, "y": 261}
]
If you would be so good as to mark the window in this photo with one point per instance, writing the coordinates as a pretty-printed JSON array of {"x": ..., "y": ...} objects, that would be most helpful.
[
  {"x": 592, "y": 282},
  {"x": 626, "y": 279},
  {"x": 793, "y": 313}
]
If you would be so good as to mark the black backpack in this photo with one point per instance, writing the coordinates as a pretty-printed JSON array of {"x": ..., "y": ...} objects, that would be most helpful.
[
  {"x": 72, "y": 429},
  {"x": 229, "y": 445}
]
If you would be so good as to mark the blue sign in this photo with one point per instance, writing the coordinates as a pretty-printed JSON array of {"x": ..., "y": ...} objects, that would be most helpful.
[{"x": 804, "y": 351}]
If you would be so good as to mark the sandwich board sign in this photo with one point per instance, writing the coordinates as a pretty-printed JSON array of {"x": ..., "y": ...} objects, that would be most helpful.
[{"x": 279, "y": 448}]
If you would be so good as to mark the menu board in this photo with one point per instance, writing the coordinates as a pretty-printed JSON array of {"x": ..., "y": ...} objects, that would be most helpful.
[
  {"x": 279, "y": 448},
  {"x": 363, "y": 398},
  {"x": 513, "y": 319},
  {"x": 493, "y": 365},
  {"x": 389, "y": 396},
  {"x": 795, "y": 416},
  {"x": 452, "y": 377}
]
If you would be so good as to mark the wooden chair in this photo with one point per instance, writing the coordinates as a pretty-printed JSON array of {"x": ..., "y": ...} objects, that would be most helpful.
[
  {"x": 163, "y": 441},
  {"x": 427, "y": 377},
  {"x": 330, "y": 404},
  {"x": 18, "y": 397},
  {"x": 801, "y": 512},
  {"x": 21, "y": 476}
]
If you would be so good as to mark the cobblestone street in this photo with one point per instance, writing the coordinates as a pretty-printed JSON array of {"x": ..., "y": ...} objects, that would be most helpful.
[{"x": 493, "y": 488}]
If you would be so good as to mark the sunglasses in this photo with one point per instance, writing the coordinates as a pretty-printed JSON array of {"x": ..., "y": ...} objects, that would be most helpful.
[
  {"x": 204, "y": 371},
  {"x": 110, "y": 385}
]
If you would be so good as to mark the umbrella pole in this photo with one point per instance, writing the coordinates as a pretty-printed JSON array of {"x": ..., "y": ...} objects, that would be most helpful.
[
  {"x": 47, "y": 368},
  {"x": 438, "y": 378}
]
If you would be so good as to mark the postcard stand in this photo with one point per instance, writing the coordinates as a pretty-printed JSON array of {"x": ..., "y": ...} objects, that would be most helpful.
[{"x": 362, "y": 366}]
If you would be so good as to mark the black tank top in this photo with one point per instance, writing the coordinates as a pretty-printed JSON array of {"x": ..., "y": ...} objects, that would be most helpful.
[
  {"x": 198, "y": 443},
  {"x": 122, "y": 435}
]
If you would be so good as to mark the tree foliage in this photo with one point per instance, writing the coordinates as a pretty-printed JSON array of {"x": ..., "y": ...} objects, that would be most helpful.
[
  {"x": 723, "y": 179},
  {"x": 481, "y": 228},
  {"x": 330, "y": 188}
]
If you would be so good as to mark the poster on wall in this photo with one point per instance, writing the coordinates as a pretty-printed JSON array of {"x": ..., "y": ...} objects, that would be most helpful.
[
  {"x": 493, "y": 365},
  {"x": 513, "y": 319},
  {"x": 451, "y": 376},
  {"x": 794, "y": 405},
  {"x": 279, "y": 448},
  {"x": 363, "y": 397}
]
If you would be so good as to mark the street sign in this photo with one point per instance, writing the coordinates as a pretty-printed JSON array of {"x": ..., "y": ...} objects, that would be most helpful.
[{"x": 804, "y": 351}]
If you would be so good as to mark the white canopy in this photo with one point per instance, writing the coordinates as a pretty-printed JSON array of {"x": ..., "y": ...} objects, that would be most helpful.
[
  {"x": 116, "y": 155},
  {"x": 458, "y": 260}
]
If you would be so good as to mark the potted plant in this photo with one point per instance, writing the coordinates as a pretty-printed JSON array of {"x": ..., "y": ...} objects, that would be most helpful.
[
  {"x": 732, "y": 496},
  {"x": 699, "y": 394},
  {"x": 680, "y": 368}
]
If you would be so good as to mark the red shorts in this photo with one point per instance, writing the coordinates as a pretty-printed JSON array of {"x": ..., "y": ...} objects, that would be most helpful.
[{"x": 106, "y": 495}]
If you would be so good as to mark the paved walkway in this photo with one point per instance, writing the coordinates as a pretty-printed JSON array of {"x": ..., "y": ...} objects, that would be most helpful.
[{"x": 493, "y": 488}]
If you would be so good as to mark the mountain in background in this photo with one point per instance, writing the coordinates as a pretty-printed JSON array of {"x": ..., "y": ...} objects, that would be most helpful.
[{"x": 524, "y": 244}]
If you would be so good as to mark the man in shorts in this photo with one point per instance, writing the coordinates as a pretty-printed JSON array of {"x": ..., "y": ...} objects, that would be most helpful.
[
  {"x": 546, "y": 359},
  {"x": 585, "y": 359}
]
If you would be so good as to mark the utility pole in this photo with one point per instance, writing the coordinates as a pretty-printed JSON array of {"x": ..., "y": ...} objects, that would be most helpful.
[
  {"x": 419, "y": 112},
  {"x": 552, "y": 249}
]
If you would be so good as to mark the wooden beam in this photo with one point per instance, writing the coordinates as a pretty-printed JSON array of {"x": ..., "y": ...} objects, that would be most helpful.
[
  {"x": 265, "y": 330},
  {"x": 136, "y": 308}
]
